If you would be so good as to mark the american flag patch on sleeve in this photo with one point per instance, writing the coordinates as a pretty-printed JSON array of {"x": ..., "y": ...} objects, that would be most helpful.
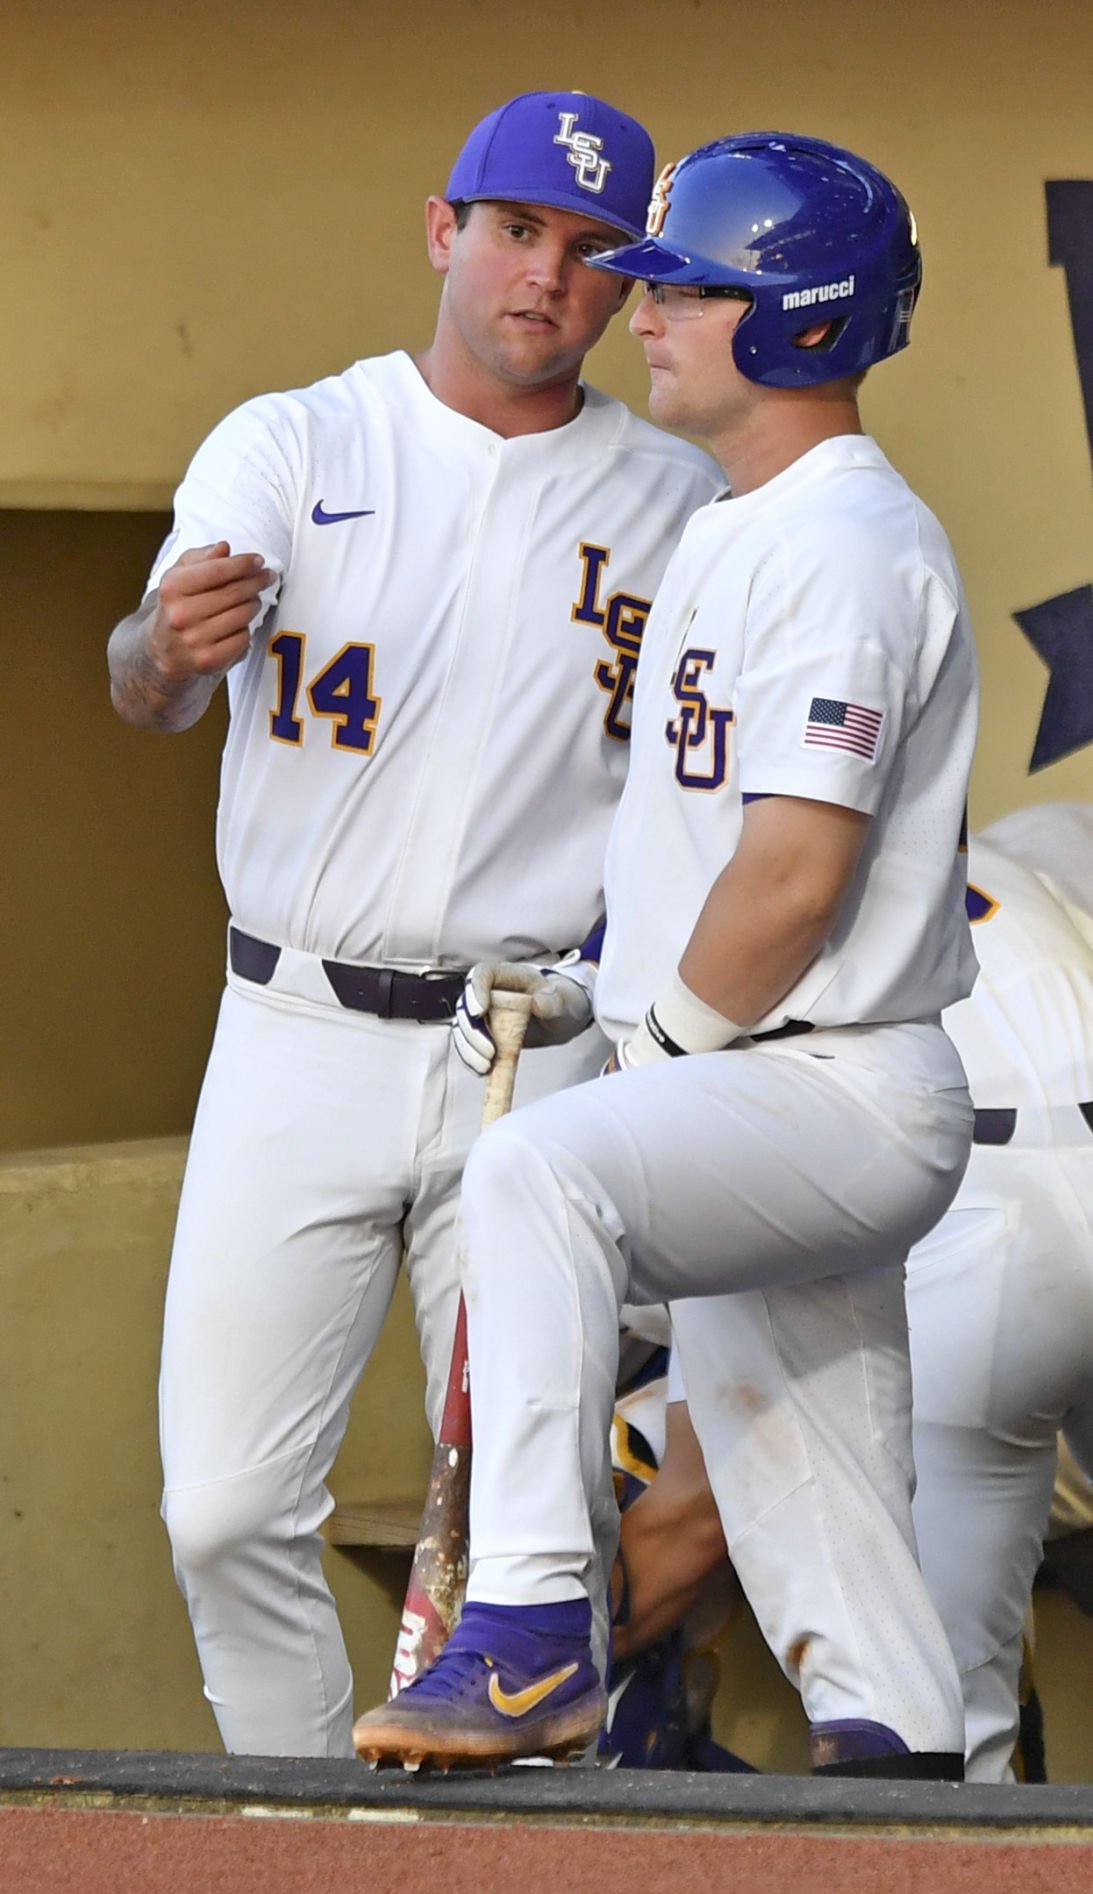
[{"x": 835, "y": 725}]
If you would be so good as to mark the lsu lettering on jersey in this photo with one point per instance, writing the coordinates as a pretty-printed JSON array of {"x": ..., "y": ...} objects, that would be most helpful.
[
  {"x": 809, "y": 639},
  {"x": 383, "y": 755}
]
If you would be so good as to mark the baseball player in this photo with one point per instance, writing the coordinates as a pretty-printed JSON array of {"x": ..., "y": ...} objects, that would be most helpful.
[
  {"x": 426, "y": 581},
  {"x": 1055, "y": 842},
  {"x": 786, "y": 921},
  {"x": 1000, "y": 1295}
]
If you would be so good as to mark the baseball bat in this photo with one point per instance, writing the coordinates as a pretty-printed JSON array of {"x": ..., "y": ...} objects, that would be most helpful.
[{"x": 438, "y": 1576}]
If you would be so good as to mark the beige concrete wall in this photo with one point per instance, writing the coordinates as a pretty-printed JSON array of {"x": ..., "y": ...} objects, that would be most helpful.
[
  {"x": 202, "y": 200},
  {"x": 95, "y": 1647}
]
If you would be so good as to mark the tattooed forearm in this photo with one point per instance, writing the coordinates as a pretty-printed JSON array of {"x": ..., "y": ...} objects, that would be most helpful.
[{"x": 142, "y": 692}]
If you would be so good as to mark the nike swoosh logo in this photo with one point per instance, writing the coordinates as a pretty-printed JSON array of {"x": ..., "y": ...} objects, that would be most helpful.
[
  {"x": 519, "y": 1702},
  {"x": 322, "y": 518}
]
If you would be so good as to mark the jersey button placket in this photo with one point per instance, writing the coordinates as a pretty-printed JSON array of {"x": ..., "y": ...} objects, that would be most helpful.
[{"x": 467, "y": 708}]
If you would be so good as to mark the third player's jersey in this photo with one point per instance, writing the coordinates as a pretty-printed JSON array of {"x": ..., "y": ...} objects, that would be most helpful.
[
  {"x": 1026, "y": 1035},
  {"x": 429, "y": 737},
  {"x": 810, "y": 639},
  {"x": 1055, "y": 841}
]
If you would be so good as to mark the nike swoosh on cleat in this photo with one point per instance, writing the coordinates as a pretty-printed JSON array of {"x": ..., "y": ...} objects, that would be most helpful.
[
  {"x": 322, "y": 518},
  {"x": 519, "y": 1702}
]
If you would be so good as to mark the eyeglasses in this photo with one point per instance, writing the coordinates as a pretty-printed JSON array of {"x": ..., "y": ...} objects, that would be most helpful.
[{"x": 682, "y": 302}]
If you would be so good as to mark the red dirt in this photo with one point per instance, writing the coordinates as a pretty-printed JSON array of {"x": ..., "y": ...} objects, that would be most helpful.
[{"x": 121, "y": 1851}]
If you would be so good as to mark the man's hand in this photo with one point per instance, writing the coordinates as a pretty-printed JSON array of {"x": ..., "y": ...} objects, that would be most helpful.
[
  {"x": 642, "y": 1049},
  {"x": 202, "y": 615},
  {"x": 561, "y": 1005},
  {"x": 168, "y": 657}
]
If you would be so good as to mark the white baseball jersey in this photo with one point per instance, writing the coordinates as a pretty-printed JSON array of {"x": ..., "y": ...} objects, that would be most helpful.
[
  {"x": 796, "y": 648},
  {"x": 1026, "y": 1037},
  {"x": 387, "y": 767},
  {"x": 1055, "y": 841}
]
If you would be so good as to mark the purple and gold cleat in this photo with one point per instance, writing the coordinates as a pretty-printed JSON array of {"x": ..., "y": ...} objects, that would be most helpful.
[{"x": 513, "y": 1681}]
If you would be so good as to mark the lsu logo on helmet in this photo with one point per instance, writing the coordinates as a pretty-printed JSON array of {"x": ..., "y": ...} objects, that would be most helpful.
[{"x": 658, "y": 203}]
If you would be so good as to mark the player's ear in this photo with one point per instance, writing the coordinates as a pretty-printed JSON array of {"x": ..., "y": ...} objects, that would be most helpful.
[
  {"x": 626, "y": 284},
  {"x": 822, "y": 335},
  {"x": 441, "y": 225},
  {"x": 819, "y": 333}
]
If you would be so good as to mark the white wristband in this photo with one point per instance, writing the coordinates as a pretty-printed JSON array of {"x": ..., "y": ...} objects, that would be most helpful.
[{"x": 680, "y": 1022}]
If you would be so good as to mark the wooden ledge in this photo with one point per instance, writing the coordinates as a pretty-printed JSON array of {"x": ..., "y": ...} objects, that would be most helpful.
[{"x": 387, "y": 1525}]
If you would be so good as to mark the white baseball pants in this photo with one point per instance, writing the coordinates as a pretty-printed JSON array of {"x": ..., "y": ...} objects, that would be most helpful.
[
  {"x": 1000, "y": 1302},
  {"x": 795, "y": 1175},
  {"x": 326, "y": 1144}
]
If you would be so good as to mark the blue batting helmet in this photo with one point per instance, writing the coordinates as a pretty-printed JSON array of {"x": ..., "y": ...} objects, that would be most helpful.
[{"x": 811, "y": 232}]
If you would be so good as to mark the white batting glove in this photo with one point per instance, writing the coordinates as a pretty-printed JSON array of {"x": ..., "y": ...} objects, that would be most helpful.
[{"x": 561, "y": 1004}]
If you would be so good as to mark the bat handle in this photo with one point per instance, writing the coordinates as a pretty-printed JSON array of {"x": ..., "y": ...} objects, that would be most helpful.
[{"x": 509, "y": 1015}]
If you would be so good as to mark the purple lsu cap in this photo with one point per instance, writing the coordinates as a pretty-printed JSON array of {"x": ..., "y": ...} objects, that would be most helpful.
[{"x": 564, "y": 149}]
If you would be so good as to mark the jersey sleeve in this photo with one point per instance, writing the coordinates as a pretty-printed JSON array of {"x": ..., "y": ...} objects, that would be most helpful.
[
  {"x": 825, "y": 689},
  {"x": 241, "y": 487}
]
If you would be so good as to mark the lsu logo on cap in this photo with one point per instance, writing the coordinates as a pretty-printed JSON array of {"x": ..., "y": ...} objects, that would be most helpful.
[
  {"x": 658, "y": 203},
  {"x": 585, "y": 153}
]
